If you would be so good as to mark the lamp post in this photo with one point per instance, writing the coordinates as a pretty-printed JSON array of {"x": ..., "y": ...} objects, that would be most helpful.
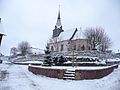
[{"x": 73, "y": 55}]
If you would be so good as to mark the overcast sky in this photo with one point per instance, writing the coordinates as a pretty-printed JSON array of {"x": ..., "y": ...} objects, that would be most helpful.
[{"x": 34, "y": 20}]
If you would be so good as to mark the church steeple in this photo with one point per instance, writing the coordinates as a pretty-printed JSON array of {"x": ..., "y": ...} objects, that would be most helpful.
[
  {"x": 58, "y": 24},
  {"x": 59, "y": 14},
  {"x": 58, "y": 27}
]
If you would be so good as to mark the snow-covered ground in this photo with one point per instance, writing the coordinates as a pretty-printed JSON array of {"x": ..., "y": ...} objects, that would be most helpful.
[{"x": 19, "y": 78}]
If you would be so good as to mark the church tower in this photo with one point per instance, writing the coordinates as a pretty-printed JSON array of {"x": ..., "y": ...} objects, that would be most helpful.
[{"x": 58, "y": 27}]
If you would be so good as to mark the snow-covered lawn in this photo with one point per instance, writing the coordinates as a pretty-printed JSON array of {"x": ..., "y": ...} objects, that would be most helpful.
[{"x": 20, "y": 78}]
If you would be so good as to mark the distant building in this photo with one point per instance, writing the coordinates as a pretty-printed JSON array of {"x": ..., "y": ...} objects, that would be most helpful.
[
  {"x": 67, "y": 40},
  {"x": 1, "y": 32}
]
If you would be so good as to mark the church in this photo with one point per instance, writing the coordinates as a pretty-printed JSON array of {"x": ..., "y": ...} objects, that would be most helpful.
[{"x": 63, "y": 41}]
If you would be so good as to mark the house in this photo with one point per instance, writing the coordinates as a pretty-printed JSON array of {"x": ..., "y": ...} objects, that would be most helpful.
[{"x": 67, "y": 40}]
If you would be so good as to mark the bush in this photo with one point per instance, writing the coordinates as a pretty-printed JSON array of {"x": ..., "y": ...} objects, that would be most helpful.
[{"x": 61, "y": 60}]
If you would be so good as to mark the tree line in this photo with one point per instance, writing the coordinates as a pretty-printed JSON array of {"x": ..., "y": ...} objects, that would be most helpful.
[
  {"x": 23, "y": 48},
  {"x": 98, "y": 39}
]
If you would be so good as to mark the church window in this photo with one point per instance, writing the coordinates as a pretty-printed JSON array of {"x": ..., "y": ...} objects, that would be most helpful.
[
  {"x": 74, "y": 47},
  {"x": 52, "y": 49},
  {"x": 89, "y": 47},
  {"x": 62, "y": 46},
  {"x": 83, "y": 47},
  {"x": 78, "y": 49}
]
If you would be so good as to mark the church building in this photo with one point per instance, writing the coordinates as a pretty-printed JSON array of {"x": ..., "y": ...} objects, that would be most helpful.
[{"x": 63, "y": 41}]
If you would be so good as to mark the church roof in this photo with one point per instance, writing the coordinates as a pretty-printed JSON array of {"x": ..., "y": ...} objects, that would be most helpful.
[{"x": 71, "y": 34}]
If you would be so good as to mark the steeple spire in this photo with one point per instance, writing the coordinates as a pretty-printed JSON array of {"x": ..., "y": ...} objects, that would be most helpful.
[
  {"x": 58, "y": 24},
  {"x": 59, "y": 13},
  {"x": 58, "y": 27}
]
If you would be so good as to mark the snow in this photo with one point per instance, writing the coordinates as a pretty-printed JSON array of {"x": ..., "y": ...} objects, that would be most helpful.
[
  {"x": 96, "y": 62},
  {"x": 87, "y": 57},
  {"x": 30, "y": 62},
  {"x": 21, "y": 79},
  {"x": 75, "y": 68},
  {"x": 68, "y": 62},
  {"x": 67, "y": 34},
  {"x": 113, "y": 60}
]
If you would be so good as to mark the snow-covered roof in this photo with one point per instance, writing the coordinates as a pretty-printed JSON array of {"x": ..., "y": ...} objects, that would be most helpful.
[
  {"x": 1, "y": 28},
  {"x": 67, "y": 34}
]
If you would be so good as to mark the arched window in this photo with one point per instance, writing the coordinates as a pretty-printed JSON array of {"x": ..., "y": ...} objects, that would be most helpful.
[
  {"x": 83, "y": 47},
  {"x": 62, "y": 47},
  {"x": 52, "y": 49},
  {"x": 78, "y": 49},
  {"x": 88, "y": 47},
  {"x": 74, "y": 47}
]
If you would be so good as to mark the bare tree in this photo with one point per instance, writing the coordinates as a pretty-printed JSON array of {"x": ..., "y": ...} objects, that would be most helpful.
[
  {"x": 97, "y": 38},
  {"x": 24, "y": 48},
  {"x": 13, "y": 51},
  {"x": 106, "y": 43}
]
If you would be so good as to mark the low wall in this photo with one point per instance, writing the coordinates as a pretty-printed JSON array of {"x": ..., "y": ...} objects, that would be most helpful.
[
  {"x": 79, "y": 74},
  {"x": 54, "y": 73},
  {"x": 93, "y": 74}
]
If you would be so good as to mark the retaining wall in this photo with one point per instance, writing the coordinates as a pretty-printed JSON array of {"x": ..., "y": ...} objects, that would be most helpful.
[
  {"x": 54, "y": 73},
  {"x": 79, "y": 74},
  {"x": 93, "y": 74}
]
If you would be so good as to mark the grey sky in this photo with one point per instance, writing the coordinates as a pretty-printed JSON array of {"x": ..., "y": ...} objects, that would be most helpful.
[{"x": 34, "y": 20}]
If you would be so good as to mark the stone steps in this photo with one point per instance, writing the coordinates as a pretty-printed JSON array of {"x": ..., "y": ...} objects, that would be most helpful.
[{"x": 69, "y": 74}]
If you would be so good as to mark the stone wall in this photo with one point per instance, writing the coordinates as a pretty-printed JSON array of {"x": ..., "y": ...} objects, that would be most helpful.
[
  {"x": 54, "y": 73},
  {"x": 93, "y": 74},
  {"x": 79, "y": 74}
]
